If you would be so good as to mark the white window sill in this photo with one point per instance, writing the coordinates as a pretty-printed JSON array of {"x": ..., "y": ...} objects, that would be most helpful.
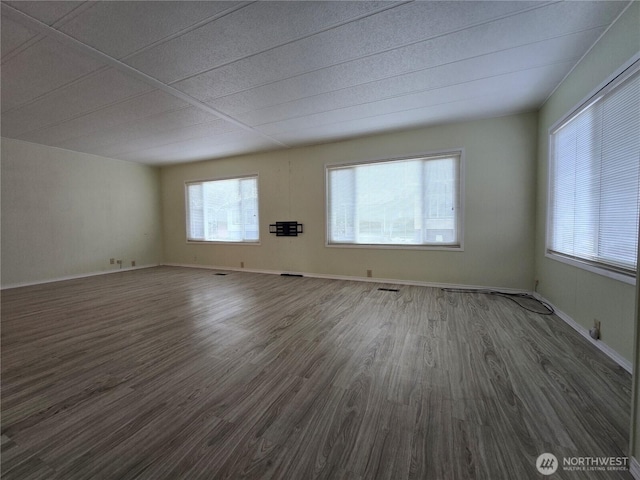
[{"x": 629, "y": 279}]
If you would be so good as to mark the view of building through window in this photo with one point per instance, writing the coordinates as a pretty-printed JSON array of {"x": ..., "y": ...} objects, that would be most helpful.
[
  {"x": 223, "y": 210},
  {"x": 401, "y": 202}
]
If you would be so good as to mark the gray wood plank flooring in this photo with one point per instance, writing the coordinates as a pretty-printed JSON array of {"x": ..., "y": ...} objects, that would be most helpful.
[{"x": 171, "y": 373}]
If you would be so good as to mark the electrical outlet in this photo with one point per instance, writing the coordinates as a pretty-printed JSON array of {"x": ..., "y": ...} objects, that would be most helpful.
[
  {"x": 595, "y": 332},
  {"x": 112, "y": 261},
  {"x": 369, "y": 273},
  {"x": 133, "y": 263}
]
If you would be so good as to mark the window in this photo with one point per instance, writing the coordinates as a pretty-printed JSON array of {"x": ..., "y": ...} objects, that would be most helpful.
[
  {"x": 223, "y": 210},
  {"x": 403, "y": 202},
  {"x": 593, "y": 181}
]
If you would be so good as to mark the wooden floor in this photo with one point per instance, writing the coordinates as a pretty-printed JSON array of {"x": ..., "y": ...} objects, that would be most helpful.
[{"x": 172, "y": 373}]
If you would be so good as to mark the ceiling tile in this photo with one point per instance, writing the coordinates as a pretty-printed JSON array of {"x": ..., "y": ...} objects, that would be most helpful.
[
  {"x": 146, "y": 105},
  {"x": 541, "y": 79},
  {"x": 374, "y": 34},
  {"x": 93, "y": 92},
  {"x": 121, "y": 28},
  {"x": 253, "y": 29},
  {"x": 461, "y": 110},
  {"x": 486, "y": 66},
  {"x": 303, "y": 72},
  {"x": 155, "y": 125},
  {"x": 329, "y": 49},
  {"x": 39, "y": 69},
  {"x": 202, "y": 149},
  {"x": 146, "y": 141},
  {"x": 347, "y": 84}
]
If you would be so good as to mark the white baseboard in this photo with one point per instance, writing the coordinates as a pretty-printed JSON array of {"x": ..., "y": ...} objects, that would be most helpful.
[
  {"x": 73, "y": 277},
  {"x": 393, "y": 281},
  {"x": 634, "y": 468},
  {"x": 606, "y": 349}
]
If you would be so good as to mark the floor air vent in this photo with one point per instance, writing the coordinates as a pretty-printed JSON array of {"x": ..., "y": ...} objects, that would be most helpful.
[
  {"x": 221, "y": 274},
  {"x": 389, "y": 289}
]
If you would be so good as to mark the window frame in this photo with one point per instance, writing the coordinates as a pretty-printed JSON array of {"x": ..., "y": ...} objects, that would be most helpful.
[
  {"x": 626, "y": 71},
  {"x": 216, "y": 179},
  {"x": 460, "y": 218}
]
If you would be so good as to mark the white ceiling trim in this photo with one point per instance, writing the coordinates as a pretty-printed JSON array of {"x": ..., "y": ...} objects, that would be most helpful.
[{"x": 44, "y": 29}]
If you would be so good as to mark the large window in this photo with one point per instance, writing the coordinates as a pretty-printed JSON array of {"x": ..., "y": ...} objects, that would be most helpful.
[
  {"x": 404, "y": 202},
  {"x": 223, "y": 210},
  {"x": 593, "y": 181}
]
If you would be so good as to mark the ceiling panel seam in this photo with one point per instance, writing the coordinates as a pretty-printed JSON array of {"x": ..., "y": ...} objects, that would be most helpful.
[
  {"x": 369, "y": 55},
  {"x": 188, "y": 29},
  {"x": 79, "y": 79},
  {"x": 63, "y": 38},
  {"x": 39, "y": 36},
  {"x": 83, "y": 7},
  {"x": 21, "y": 48}
]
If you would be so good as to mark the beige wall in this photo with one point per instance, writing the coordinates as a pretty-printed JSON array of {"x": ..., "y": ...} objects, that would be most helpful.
[
  {"x": 66, "y": 213},
  {"x": 499, "y": 207},
  {"x": 583, "y": 295}
]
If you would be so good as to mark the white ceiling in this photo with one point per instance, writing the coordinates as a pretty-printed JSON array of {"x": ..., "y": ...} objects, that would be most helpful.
[{"x": 162, "y": 82}]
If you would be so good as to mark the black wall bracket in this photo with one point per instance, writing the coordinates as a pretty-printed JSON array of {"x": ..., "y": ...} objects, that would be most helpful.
[{"x": 286, "y": 229}]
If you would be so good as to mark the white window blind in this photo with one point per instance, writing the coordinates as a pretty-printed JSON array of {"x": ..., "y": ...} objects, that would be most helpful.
[
  {"x": 401, "y": 202},
  {"x": 594, "y": 180},
  {"x": 223, "y": 210}
]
